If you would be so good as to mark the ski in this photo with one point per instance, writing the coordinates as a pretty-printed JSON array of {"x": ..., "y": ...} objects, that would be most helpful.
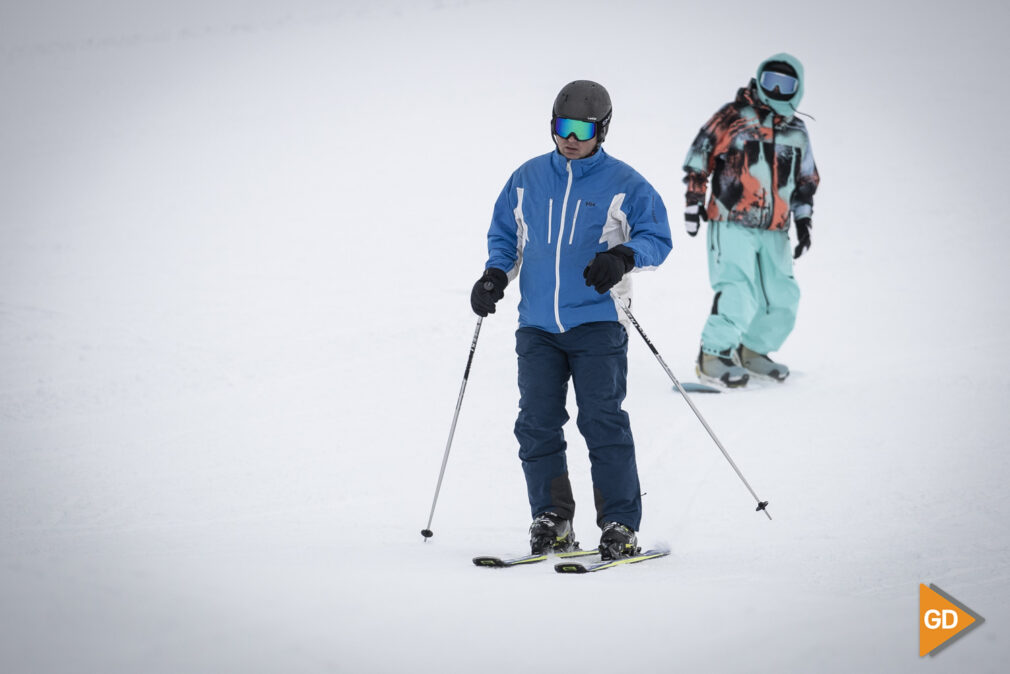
[
  {"x": 575, "y": 567},
  {"x": 500, "y": 563}
]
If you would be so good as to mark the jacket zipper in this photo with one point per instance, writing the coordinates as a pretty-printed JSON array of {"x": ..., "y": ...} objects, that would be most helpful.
[
  {"x": 557, "y": 256},
  {"x": 550, "y": 218},
  {"x": 773, "y": 166},
  {"x": 571, "y": 234}
]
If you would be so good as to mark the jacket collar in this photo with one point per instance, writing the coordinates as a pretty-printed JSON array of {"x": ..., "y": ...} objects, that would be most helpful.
[
  {"x": 580, "y": 167},
  {"x": 747, "y": 96}
]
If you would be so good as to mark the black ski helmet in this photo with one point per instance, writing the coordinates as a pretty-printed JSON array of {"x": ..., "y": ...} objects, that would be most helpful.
[{"x": 585, "y": 100}]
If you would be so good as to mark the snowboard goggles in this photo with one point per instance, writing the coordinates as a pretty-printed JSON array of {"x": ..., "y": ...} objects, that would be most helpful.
[
  {"x": 786, "y": 83},
  {"x": 565, "y": 127}
]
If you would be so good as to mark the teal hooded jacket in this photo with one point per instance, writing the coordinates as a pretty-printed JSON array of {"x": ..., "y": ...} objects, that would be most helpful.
[{"x": 757, "y": 154}]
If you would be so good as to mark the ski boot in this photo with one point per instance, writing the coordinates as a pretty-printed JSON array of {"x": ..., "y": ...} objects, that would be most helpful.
[
  {"x": 617, "y": 541},
  {"x": 551, "y": 533},
  {"x": 761, "y": 365},
  {"x": 721, "y": 369}
]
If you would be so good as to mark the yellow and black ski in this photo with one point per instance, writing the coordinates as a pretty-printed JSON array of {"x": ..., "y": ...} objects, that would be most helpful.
[
  {"x": 500, "y": 563},
  {"x": 576, "y": 567}
]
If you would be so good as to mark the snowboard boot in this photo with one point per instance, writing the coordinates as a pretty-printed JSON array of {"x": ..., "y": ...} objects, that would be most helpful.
[
  {"x": 761, "y": 365},
  {"x": 551, "y": 533},
  {"x": 721, "y": 369},
  {"x": 617, "y": 541}
]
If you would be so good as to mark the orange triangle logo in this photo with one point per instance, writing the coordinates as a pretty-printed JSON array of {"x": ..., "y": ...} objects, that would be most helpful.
[{"x": 941, "y": 619}]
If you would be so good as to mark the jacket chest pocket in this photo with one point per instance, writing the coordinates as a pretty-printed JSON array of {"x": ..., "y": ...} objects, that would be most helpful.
[{"x": 563, "y": 224}]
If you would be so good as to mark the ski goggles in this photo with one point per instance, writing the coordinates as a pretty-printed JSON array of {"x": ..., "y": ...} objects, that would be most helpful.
[
  {"x": 565, "y": 127},
  {"x": 786, "y": 83}
]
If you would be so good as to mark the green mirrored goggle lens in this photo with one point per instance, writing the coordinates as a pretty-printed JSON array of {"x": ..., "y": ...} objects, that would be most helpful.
[{"x": 566, "y": 127}]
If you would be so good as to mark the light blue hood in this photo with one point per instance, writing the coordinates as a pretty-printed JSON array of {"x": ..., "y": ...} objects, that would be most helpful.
[{"x": 785, "y": 108}]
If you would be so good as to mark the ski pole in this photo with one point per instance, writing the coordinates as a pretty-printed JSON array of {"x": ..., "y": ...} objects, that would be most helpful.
[
  {"x": 762, "y": 505},
  {"x": 426, "y": 532}
]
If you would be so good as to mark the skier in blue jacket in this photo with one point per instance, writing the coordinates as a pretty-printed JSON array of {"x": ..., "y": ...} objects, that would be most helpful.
[{"x": 571, "y": 224}]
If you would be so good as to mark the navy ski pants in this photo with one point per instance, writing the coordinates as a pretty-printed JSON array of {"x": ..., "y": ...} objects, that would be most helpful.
[{"x": 595, "y": 357}]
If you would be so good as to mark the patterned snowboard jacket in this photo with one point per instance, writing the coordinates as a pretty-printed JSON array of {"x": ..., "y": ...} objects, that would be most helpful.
[{"x": 760, "y": 163}]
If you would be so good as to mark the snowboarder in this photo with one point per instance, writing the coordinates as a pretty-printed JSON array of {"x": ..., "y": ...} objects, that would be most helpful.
[
  {"x": 758, "y": 155},
  {"x": 571, "y": 224}
]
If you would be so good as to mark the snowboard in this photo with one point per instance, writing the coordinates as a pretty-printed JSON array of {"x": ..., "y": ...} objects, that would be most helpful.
[{"x": 695, "y": 387}]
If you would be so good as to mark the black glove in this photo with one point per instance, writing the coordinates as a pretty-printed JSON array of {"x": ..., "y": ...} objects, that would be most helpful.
[
  {"x": 802, "y": 236},
  {"x": 693, "y": 215},
  {"x": 488, "y": 289},
  {"x": 608, "y": 267}
]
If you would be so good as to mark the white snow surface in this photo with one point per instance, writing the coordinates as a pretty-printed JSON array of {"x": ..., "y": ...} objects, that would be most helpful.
[{"x": 237, "y": 241}]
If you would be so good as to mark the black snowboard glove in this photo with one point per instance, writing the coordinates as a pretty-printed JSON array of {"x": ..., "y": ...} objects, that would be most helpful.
[
  {"x": 488, "y": 289},
  {"x": 608, "y": 267},
  {"x": 693, "y": 216},
  {"x": 802, "y": 236}
]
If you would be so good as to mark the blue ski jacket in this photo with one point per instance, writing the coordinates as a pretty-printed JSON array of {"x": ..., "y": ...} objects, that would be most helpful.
[{"x": 552, "y": 218}]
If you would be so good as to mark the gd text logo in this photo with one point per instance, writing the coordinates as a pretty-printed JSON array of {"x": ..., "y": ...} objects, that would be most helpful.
[{"x": 942, "y": 620}]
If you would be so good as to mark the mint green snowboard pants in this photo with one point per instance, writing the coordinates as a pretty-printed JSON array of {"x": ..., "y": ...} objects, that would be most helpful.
[{"x": 756, "y": 296}]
